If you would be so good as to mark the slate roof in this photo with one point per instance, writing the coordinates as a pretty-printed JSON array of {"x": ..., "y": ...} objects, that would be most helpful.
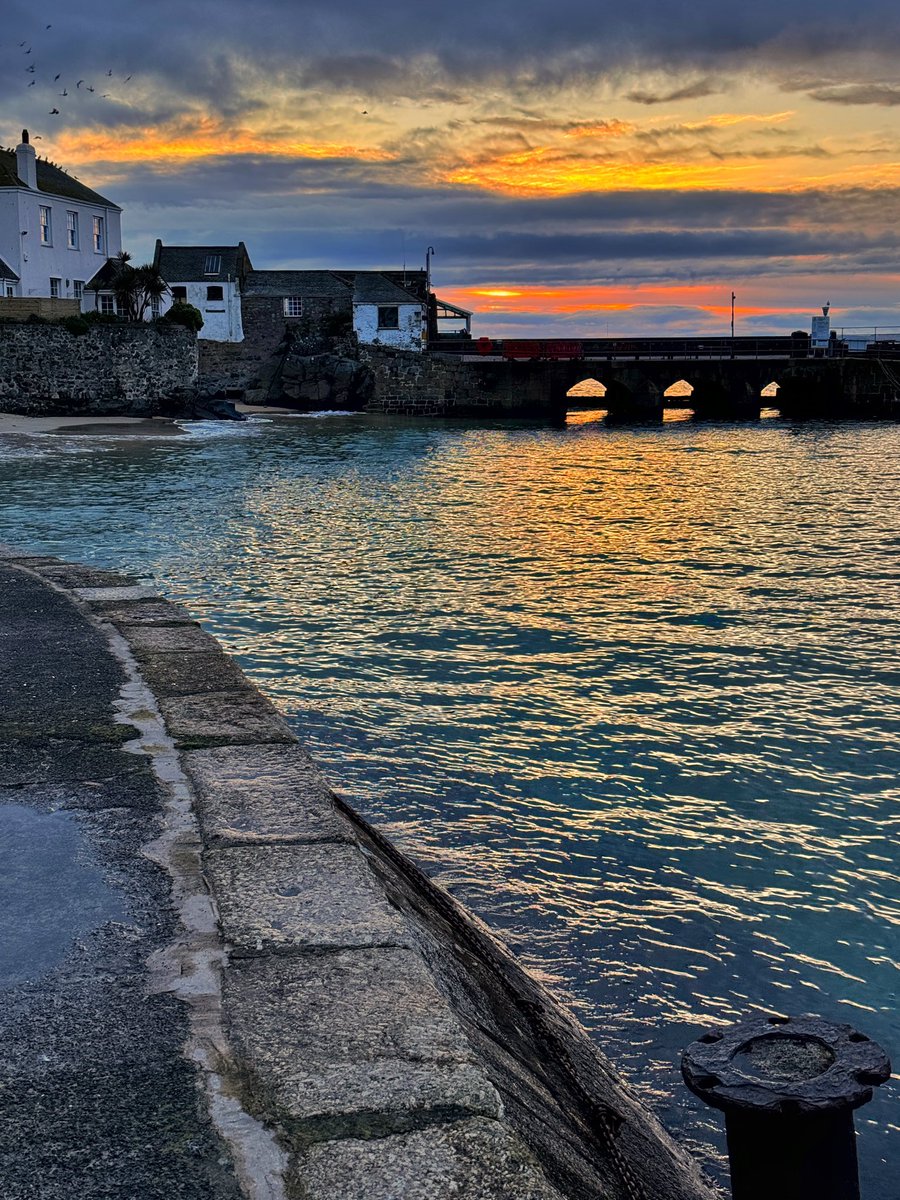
[
  {"x": 52, "y": 180},
  {"x": 186, "y": 264},
  {"x": 6, "y": 272},
  {"x": 297, "y": 283},
  {"x": 371, "y": 287}
]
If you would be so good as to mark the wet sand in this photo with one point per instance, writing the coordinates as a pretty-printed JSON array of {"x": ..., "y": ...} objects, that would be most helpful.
[{"x": 97, "y": 426}]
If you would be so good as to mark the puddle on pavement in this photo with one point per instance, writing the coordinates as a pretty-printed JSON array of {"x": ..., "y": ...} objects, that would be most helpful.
[{"x": 50, "y": 893}]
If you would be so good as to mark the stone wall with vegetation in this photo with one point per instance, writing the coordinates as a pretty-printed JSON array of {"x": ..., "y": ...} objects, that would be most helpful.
[{"x": 120, "y": 370}]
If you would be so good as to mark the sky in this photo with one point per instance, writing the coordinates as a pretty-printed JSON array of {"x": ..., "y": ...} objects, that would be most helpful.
[{"x": 578, "y": 167}]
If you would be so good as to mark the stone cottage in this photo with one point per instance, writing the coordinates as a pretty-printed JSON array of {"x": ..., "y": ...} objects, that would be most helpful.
[{"x": 212, "y": 278}]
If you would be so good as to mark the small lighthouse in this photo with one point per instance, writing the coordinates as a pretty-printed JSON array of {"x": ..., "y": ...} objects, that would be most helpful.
[{"x": 820, "y": 333}]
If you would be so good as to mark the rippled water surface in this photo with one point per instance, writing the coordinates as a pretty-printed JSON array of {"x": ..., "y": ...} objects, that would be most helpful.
[{"x": 632, "y": 695}]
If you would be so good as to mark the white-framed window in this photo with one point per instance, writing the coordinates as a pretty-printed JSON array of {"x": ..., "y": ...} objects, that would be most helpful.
[
  {"x": 54, "y": 288},
  {"x": 108, "y": 305},
  {"x": 213, "y": 264},
  {"x": 388, "y": 316},
  {"x": 99, "y": 236},
  {"x": 293, "y": 306},
  {"x": 46, "y": 226},
  {"x": 154, "y": 307},
  {"x": 10, "y": 290},
  {"x": 72, "y": 230},
  {"x": 78, "y": 288}
]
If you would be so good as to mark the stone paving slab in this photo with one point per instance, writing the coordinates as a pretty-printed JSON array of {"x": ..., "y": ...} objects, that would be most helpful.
[
  {"x": 279, "y": 899},
  {"x": 357, "y": 1033},
  {"x": 273, "y": 794},
  {"x": 178, "y": 674},
  {"x": 467, "y": 1160},
  {"x": 186, "y": 639},
  {"x": 71, "y": 575},
  {"x": 115, "y": 593},
  {"x": 143, "y": 612},
  {"x": 223, "y": 719}
]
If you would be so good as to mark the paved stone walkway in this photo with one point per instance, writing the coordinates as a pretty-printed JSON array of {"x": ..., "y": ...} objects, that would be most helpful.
[{"x": 96, "y": 1096}]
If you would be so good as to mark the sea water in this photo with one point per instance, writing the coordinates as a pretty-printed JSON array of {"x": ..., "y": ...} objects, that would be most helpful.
[{"x": 632, "y": 695}]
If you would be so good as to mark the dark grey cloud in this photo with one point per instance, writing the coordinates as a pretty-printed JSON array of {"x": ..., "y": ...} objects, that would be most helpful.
[
  {"x": 687, "y": 91},
  {"x": 883, "y": 94}
]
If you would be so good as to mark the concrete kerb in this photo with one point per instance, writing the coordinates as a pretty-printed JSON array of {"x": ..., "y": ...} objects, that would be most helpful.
[{"x": 341, "y": 1032}]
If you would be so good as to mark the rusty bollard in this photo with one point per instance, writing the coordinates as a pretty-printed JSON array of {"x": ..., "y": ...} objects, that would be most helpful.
[{"x": 788, "y": 1088}]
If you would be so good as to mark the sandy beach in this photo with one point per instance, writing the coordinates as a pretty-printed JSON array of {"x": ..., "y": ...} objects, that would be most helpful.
[{"x": 102, "y": 426}]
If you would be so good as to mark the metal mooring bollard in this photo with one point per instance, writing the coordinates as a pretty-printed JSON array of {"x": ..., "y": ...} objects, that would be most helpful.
[{"x": 788, "y": 1088}]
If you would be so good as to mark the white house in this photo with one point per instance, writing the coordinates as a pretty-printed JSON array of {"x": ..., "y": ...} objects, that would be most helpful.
[
  {"x": 385, "y": 314},
  {"x": 212, "y": 279},
  {"x": 54, "y": 231}
]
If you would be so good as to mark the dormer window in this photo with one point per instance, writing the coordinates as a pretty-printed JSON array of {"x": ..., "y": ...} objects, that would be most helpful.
[{"x": 213, "y": 264}]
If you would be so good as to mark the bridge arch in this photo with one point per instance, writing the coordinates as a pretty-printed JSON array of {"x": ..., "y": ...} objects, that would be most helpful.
[{"x": 587, "y": 389}]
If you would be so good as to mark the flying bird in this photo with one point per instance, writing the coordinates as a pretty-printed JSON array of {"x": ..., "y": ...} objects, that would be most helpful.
[
  {"x": 127, "y": 77},
  {"x": 90, "y": 89},
  {"x": 21, "y": 44},
  {"x": 79, "y": 83},
  {"x": 109, "y": 72},
  {"x": 105, "y": 96},
  {"x": 33, "y": 82},
  {"x": 31, "y": 68},
  {"x": 54, "y": 112},
  {"x": 64, "y": 92},
  {"x": 55, "y": 77},
  {"x": 28, "y": 51},
  {"x": 48, "y": 26}
]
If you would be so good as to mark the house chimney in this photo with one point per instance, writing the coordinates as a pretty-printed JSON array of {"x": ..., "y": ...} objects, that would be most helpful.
[{"x": 26, "y": 162}]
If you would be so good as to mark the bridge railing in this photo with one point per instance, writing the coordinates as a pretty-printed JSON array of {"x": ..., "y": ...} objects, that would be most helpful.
[{"x": 619, "y": 349}]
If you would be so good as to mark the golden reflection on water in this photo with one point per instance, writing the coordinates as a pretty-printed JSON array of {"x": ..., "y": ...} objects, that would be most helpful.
[{"x": 631, "y": 694}]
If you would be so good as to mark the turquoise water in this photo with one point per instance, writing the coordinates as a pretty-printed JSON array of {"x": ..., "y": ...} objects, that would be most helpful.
[{"x": 632, "y": 695}]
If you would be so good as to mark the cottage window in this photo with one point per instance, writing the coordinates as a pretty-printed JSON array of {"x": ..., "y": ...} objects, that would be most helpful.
[
  {"x": 108, "y": 305},
  {"x": 215, "y": 293},
  {"x": 10, "y": 291},
  {"x": 46, "y": 227},
  {"x": 54, "y": 288},
  {"x": 99, "y": 236},
  {"x": 389, "y": 317},
  {"x": 293, "y": 306},
  {"x": 213, "y": 264},
  {"x": 78, "y": 288},
  {"x": 179, "y": 295},
  {"x": 72, "y": 230},
  {"x": 154, "y": 307}
]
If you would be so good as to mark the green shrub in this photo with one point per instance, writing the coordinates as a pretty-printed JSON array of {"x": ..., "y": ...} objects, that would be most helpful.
[
  {"x": 184, "y": 314},
  {"x": 77, "y": 326},
  {"x": 100, "y": 318}
]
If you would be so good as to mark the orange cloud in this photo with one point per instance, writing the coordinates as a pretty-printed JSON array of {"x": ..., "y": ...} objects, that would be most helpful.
[{"x": 202, "y": 137}]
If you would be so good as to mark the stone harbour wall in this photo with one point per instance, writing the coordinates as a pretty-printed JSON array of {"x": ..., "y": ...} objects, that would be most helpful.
[
  {"x": 435, "y": 385},
  {"x": 112, "y": 370},
  {"x": 385, "y": 1038}
]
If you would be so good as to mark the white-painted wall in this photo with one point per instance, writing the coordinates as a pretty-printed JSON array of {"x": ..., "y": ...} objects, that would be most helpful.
[
  {"x": 407, "y": 337},
  {"x": 221, "y": 318},
  {"x": 36, "y": 263}
]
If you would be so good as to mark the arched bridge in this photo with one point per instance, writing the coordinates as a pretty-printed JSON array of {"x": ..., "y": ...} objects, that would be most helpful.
[{"x": 532, "y": 377}]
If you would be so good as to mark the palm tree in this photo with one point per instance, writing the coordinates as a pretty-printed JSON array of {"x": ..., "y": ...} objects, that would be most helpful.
[{"x": 135, "y": 288}]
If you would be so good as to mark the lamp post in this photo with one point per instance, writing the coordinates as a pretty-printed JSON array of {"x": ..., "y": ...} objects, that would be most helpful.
[{"x": 732, "y": 324}]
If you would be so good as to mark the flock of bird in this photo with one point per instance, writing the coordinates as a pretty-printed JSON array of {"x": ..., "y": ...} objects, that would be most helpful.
[{"x": 81, "y": 85}]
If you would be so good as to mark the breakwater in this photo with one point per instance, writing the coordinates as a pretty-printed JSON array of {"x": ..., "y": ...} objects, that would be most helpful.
[{"x": 364, "y": 1018}]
